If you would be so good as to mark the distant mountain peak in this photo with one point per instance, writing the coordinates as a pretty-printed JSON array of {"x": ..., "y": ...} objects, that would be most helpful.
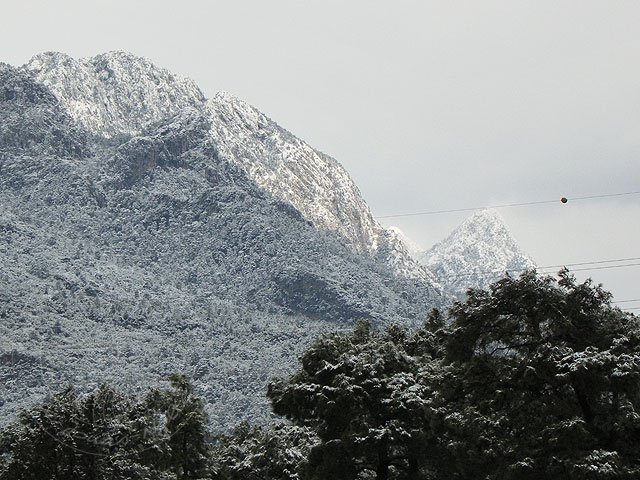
[
  {"x": 487, "y": 218},
  {"x": 475, "y": 254}
]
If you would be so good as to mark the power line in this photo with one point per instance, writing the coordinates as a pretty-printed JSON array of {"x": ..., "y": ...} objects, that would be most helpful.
[
  {"x": 605, "y": 195},
  {"x": 627, "y": 301},
  {"x": 628, "y": 259},
  {"x": 604, "y": 267},
  {"x": 542, "y": 269},
  {"x": 467, "y": 209},
  {"x": 505, "y": 205}
]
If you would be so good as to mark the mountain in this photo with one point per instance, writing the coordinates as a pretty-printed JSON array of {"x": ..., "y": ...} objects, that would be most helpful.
[
  {"x": 114, "y": 93},
  {"x": 316, "y": 184},
  {"x": 475, "y": 254},
  {"x": 33, "y": 120},
  {"x": 118, "y": 93},
  {"x": 143, "y": 234},
  {"x": 313, "y": 182}
]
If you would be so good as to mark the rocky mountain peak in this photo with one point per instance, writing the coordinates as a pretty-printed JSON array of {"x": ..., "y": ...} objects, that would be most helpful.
[
  {"x": 115, "y": 92},
  {"x": 475, "y": 254}
]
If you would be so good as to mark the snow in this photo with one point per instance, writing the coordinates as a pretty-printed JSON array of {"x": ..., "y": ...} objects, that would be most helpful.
[
  {"x": 116, "y": 92},
  {"x": 475, "y": 254},
  {"x": 412, "y": 247}
]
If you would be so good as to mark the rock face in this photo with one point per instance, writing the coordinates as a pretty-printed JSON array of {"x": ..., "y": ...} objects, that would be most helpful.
[
  {"x": 314, "y": 183},
  {"x": 475, "y": 254},
  {"x": 144, "y": 232}
]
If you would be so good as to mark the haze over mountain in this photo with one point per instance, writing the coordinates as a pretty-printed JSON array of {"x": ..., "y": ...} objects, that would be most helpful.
[{"x": 148, "y": 230}]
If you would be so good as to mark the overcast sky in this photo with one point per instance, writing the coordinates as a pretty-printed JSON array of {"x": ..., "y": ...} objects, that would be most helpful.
[{"x": 429, "y": 105}]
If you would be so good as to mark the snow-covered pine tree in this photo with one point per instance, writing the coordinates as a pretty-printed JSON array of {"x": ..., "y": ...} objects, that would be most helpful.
[{"x": 543, "y": 381}]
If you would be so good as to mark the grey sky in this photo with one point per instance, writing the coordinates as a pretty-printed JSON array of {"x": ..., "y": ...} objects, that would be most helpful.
[{"x": 429, "y": 105}]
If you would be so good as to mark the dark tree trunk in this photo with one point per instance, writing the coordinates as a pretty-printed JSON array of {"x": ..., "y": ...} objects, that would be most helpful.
[
  {"x": 382, "y": 469},
  {"x": 587, "y": 413},
  {"x": 413, "y": 469}
]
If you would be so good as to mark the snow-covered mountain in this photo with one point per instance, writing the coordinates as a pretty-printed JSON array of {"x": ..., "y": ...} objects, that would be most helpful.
[
  {"x": 119, "y": 93},
  {"x": 144, "y": 231},
  {"x": 116, "y": 92},
  {"x": 475, "y": 254}
]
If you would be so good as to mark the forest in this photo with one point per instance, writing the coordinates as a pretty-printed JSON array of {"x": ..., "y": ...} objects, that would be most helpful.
[{"x": 535, "y": 377}]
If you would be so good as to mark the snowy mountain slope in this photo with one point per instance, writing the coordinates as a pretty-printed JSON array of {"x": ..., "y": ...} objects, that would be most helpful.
[
  {"x": 32, "y": 119},
  {"x": 126, "y": 260},
  {"x": 117, "y": 93},
  {"x": 314, "y": 183},
  {"x": 475, "y": 254},
  {"x": 412, "y": 247},
  {"x": 114, "y": 92}
]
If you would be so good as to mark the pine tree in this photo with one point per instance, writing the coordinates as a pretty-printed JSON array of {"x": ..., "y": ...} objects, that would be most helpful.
[
  {"x": 42, "y": 443},
  {"x": 362, "y": 394},
  {"x": 268, "y": 453},
  {"x": 186, "y": 423},
  {"x": 543, "y": 382},
  {"x": 106, "y": 434}
]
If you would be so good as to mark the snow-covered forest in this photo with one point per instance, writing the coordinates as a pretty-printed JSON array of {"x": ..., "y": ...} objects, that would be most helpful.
[{"x": 532, "y": 378}]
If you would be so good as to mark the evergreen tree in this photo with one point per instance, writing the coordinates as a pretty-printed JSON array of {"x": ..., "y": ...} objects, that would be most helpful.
[
  {"x": 268, "y": 453},
  {"x": 42, "y": 444},
  {"x": 108, "y": 435},
  {"x": 533, "y": 378},
  {"x": 543, "y": 382},
  {"x": 186, "y": 424},
  {"x": 362, "y": 394}
]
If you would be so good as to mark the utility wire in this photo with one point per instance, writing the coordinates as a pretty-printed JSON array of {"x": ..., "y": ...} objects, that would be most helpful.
[
  {"x": 615, "y": 260},
  {"x": 505, "y": 205},
  {"x": 542, "y": 269},
  {"x": 604, "y": 267}
]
